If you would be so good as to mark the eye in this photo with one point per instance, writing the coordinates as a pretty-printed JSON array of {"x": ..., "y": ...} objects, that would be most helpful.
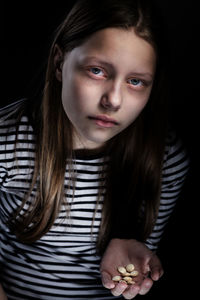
[
  {"x": 96, "y": 71},
  {"x": 136, "y": 82}
]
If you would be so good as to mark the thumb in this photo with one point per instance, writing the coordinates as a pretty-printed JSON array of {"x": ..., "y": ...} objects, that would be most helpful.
[{"x": 106, "y": 280}]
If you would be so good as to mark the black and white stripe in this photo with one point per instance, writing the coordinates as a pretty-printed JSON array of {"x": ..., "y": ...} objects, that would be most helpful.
[
  {"x": 63, "y": 264},
  {"x": 175, "y": 168}
]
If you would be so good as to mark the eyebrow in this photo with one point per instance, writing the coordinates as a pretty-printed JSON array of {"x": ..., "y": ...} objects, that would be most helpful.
[
  {"x": 109, "y": 65},
  {"x": 102, "y": 62}
]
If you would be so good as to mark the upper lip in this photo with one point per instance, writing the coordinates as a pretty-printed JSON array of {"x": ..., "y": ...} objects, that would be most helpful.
[{"x": 104, "y": 118}]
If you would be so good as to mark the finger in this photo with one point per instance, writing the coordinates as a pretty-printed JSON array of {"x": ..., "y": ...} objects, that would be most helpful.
[
  {"x": 145, "y": 286},
  {"x": 156, "y": 272},
  {"x": 131, "y": 292},
  {"x": 119, "y": 289},
  {"x": 106, "y": 280},
  {"x": 156, "y": 268}
]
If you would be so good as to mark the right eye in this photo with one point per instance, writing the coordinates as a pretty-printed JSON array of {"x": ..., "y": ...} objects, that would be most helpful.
[{"x": 96, "y": 71}]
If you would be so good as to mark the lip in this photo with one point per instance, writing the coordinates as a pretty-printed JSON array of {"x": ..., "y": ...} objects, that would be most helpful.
[{"x": 105, "y": 119}]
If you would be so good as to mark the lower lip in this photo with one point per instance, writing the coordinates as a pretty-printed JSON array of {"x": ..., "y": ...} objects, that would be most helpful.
[{"x": 104, "y": 124}]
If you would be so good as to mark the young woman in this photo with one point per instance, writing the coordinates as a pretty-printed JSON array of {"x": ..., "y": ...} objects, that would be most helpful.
[{"x": 90, "y": 171}]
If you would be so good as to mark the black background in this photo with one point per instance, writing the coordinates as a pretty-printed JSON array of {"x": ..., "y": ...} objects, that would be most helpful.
[{"x": 27, "y": 33}]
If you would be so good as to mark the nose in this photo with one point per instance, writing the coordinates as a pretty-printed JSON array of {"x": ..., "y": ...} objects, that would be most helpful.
[{"x": 112, "y": 97}]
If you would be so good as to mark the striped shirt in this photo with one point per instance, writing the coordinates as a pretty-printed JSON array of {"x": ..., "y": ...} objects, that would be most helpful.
[{"x": 63, "y": 264}]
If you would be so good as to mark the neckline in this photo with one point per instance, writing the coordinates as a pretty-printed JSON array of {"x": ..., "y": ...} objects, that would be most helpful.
[{"x": 88, "y": 154}]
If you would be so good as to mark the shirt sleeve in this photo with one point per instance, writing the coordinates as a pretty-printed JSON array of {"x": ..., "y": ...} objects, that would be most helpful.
[{"x": 175, "y": 169}]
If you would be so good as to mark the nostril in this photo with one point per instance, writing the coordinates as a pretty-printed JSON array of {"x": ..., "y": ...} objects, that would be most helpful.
[
  {"x": 105, "y": 102},
  {"x": 110, "y": 103}
]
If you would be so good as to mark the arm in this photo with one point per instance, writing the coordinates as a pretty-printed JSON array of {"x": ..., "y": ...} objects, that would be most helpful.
[
  {"x": 2, "y": 294},
  {"x": 124, "y": 251},
  {"x": 175, "y": 169}
]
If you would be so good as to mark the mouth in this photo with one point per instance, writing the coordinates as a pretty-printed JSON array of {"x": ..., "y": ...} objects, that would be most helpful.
[{"x": 104, "y": 121}]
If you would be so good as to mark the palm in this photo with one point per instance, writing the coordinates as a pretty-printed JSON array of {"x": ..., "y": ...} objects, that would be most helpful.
[{"x": 123, "y": 252}]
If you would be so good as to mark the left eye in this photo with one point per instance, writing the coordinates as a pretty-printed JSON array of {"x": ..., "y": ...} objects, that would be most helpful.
[
  {"x": 135, "y": 82},
  {"x": 96, "y": 71}
]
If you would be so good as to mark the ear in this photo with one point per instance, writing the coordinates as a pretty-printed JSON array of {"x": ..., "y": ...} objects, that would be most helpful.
[{"x": 58, "y": 62}]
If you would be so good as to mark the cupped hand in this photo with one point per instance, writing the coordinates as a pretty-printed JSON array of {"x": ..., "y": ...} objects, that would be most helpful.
[{"x": 121, "y": 252}]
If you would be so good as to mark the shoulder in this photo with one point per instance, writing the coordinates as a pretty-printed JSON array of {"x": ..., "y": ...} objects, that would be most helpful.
[
  {"x": 17, "y": 142},
  {"x": 175, "y": 151},
  {"x": 10, "y": 110},
  {"x": 12, "y": 115},
  {"x": 15, "y": 128},
  {"x": 176, "y": 160}
]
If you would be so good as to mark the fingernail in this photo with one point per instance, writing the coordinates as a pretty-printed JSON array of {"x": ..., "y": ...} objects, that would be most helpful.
[
  {"x": 109, "y": 285},
  {"x": 156, "y": 277}
]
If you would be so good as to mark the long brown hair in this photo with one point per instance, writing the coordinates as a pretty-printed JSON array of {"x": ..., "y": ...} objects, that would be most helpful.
[{"x": 133, "y": 177}]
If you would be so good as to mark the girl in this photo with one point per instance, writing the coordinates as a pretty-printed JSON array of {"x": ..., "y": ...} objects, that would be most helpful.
[{"x": 89, "y": 171}]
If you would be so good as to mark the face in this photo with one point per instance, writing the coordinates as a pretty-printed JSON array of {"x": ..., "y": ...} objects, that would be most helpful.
[{"x": 106, "y": 83}]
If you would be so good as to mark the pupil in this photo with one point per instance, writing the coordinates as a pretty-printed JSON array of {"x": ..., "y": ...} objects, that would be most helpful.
[
  {"x": 134, "y": 81},
  {"x": 95, "y": 70}
]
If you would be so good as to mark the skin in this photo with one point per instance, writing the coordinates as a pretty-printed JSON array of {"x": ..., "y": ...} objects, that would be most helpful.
[
  {"x": 110, "y": 76},
  {"x": 2, "y": 294}
]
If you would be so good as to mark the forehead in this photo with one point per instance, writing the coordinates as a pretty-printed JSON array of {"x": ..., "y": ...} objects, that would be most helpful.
[{"x": 119, "y": 47}]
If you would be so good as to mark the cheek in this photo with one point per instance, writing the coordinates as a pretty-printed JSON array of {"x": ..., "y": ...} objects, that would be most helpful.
[
  {"x": 71, "y": 96},
  {"x": 86, "y": 93},
  {"x": 134, "y": 108}
]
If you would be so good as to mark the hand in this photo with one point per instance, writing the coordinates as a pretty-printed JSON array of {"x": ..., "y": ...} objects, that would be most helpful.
[{"x": 121, "y": 252}]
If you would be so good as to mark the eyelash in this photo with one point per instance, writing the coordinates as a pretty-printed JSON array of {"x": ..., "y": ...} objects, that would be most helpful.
[{"x": 141, "y": 82}]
